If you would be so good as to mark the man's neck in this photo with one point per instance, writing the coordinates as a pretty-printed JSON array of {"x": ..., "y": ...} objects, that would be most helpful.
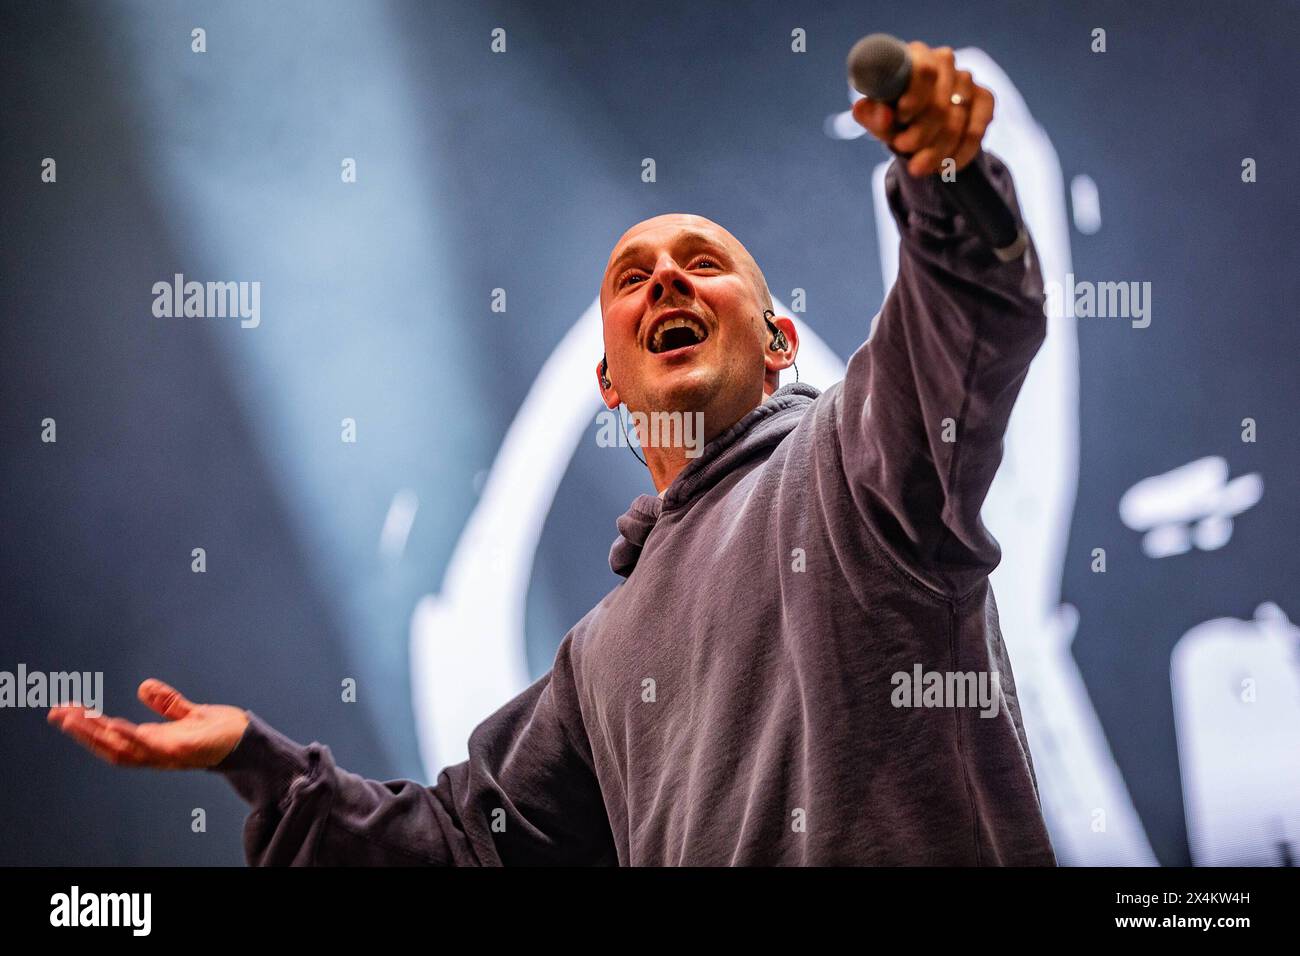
[
  {"x": 665, "y": 465},
  {"x": 666, "y": 462}
]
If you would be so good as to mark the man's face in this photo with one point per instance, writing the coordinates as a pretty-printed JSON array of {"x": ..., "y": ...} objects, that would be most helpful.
[{"x": 683, "y": 321}]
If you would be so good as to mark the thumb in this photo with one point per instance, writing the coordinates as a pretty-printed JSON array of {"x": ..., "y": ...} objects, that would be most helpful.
[
  {"x": 164, "y": 699},
  {"x": 876, "y": 117}
]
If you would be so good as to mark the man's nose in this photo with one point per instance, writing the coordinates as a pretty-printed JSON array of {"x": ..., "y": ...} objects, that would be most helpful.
[{"x": 668, "y": 275}]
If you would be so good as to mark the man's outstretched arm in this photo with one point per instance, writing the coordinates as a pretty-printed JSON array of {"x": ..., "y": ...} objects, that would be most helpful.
[
  {"x": 926, "y": 400},
  {"x": 526, "y": 795}
]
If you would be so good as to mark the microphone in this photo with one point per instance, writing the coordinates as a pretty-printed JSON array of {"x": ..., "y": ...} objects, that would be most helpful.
[{"x": 880, "y": 67}]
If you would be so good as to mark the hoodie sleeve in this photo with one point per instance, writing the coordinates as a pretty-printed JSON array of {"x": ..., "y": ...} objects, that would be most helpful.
[
  {"x": 526, "y": 795},
  {"x": 926, "y": 400}
]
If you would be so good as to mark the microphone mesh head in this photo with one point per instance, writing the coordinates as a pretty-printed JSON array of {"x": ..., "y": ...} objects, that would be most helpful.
[{"x": 879, "y": 67}]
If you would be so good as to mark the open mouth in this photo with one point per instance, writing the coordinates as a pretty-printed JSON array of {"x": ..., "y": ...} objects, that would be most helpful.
[{"x": 677, "y": 332}]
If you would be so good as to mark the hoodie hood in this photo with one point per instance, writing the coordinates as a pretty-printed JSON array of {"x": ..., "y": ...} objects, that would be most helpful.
[{"x": 754, "y": 436}]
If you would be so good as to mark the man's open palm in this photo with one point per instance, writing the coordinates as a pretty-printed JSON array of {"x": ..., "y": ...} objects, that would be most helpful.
[{"x": 195, "y": 736}]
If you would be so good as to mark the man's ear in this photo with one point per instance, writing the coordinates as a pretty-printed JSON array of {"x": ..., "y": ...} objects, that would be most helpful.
[
  {"x": 608, "y": 395},
  {"x": 777, "y": 361}
]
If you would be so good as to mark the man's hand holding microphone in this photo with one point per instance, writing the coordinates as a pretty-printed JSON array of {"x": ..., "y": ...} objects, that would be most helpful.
[{"x": 942, "y": 113}]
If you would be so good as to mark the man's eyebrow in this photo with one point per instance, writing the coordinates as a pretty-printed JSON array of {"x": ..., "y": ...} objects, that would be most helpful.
[{"x": 690, "y": 237}]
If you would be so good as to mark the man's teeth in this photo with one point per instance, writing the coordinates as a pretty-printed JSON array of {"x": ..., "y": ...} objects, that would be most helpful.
[{"x": 677, "y": 322}]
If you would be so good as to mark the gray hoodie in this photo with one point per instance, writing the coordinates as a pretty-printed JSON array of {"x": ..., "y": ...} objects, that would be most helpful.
[{"x": 803, "y": 664}]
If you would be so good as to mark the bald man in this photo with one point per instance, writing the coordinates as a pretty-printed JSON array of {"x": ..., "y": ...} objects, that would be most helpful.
[{"x": 803, "y": 664}]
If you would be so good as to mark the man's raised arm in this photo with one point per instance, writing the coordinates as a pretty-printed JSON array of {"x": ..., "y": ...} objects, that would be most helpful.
[
  {"x": 925, "y": 401},
  {"x": 526, "y": 795}
]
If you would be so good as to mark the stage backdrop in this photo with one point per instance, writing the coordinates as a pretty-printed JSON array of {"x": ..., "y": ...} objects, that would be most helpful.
[{"x": 370, "y": 503}]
